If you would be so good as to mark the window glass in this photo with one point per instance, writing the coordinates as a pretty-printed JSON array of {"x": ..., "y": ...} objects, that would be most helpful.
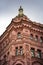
[
  {"x": 41, "y": 39},
  {"x": 39, "y": 53},
  {"x": 21, "y": 50},
  {"x": 31, "y": 36},
  {"x": 16, "y": 50},
  {"x": 32, "y": 52},
  {"x": 36, "y": 38},
  {"x": 19, "y": 35}
]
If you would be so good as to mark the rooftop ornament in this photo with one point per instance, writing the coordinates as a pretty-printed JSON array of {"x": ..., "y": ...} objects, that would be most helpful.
[{"x": 20, "y": 11}]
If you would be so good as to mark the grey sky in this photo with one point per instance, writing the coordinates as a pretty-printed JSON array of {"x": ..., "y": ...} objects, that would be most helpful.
[{"x": 9, "y": 9}]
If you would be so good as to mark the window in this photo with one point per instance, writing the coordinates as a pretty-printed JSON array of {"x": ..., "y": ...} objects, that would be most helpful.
[
  {"x": 5, "y": 59},
  {"x": 19, "y": 35},
  {"x": 36, "y": 37},
  {"x": 8, "y": 53},
  {"x": 41, "y": 39},
  {"x": 31, "y": 36},
  {"x": 16, "y": 51},
  {"x": 32, "y": 52},
  {"x": 21, "y": 50},
  {"x": 39, "y": 53},
  {"x": 4, "y": 56}
]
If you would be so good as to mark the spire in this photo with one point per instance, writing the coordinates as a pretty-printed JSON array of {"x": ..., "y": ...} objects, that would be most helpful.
[{"x": 20, "y": 11}]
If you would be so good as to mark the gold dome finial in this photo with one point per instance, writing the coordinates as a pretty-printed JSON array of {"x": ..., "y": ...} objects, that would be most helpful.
[{"x": 20, "y": 11}]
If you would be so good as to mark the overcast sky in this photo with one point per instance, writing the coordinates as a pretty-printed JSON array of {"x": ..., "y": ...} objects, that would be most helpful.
[{"x": 9, "y": 9}]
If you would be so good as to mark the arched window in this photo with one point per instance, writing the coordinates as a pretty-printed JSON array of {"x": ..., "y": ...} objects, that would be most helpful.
[
  {"x": 36, "y": 38},
  {"x": 41, "y": 39},
  {"x": 21, "y": 50},
  {"x": 16, "y": 50},
  {"x": 38, "y": 53},
  {"x": 4, "y": 56},
  {"x": 31, "y": 36},
  {"x": 18, "y": 35},
  {"x": 32, "y": 52},
  {"x": 8, "y": 53}
]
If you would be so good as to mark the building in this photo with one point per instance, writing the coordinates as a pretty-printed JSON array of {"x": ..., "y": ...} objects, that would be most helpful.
[{"x": 22, "y": 42}]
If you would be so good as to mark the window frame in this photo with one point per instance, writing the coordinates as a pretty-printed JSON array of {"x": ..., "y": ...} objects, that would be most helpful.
[
  {"x": 33, "y": 52},
  {"x": 19, "y": 35},
  {"x": 16, "y": 51}
]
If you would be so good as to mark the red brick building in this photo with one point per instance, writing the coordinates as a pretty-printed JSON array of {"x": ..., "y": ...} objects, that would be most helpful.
[{"x": 22, "y": 42}]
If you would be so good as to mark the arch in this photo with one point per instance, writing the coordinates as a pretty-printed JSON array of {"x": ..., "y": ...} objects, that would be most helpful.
[
  {"x": 36, "y": 63},
  {"x": 19, "y": 62},
  {"x": 36, "y": 37},
  {"x": 31, "y": 36},
  {"x": 19, "y": 35}
]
